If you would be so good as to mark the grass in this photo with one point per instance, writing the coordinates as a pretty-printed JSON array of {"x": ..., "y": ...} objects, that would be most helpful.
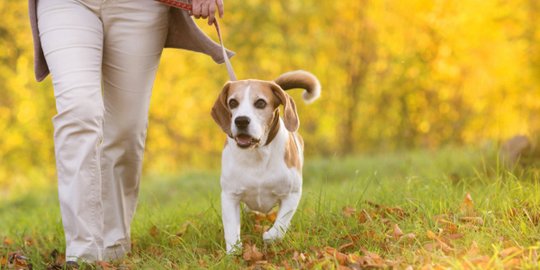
[{"x": 382, "y": 210}]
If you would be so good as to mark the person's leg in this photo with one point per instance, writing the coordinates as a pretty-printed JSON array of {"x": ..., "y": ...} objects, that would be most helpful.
[
  {"x": 135, "y": 33},
  {"x": 72, "y": 38}
]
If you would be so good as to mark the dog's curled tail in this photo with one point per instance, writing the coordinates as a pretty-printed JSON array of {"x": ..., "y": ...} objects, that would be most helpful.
[{"x": 301, "y": 79}]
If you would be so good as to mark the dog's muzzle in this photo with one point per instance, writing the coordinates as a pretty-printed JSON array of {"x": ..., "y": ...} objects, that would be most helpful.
[{"x": 246, "y": 141}]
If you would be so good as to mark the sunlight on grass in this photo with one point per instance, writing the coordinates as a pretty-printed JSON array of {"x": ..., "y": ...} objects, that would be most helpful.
[{"x": 385, "y": 210}]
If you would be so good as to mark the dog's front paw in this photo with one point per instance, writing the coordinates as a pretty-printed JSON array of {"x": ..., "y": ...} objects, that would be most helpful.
[{"x": 272, "y": 235}]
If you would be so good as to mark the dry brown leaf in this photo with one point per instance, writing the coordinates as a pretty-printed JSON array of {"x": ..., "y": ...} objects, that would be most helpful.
[
  {"x": 397, "y": 233},
  {"x": 372, "y": 260},
  {"x": 339, "y": 256},
  {"x": 260, "y": 228},
  {"x": 202, "y": 263},
  {"x": 472, "y": 220},
  {"x": 353, "y": 259},
  {"x": 455, "y": 236},
  {"x": 18, "y": 261},
  {"x": 363, "y": 216},
  {"x": 480, "y": 261},
  {"x": 345, "y": 246},
  {"x": 8, "y": 241},
  {"x": 28, "y": 241},
  {"x": 261, "y": 217},
  {"x": 431, "y": 235},
  {"x": 448, "y": 226},
  {"x": 299, "y": 256},
  {"x": 511, "y": 251},
  {"x": 467, "y": 206},
  {"x": 104, "y": 265},
  {"x": 252, "y": 253},
  {"x": 154, "y": 231},
  {"x": 272, "y": 216},
  {"x": 348, "y": 211},
  {"x": 446, "y": 248},
  {"x": 408, "y": 238},
  {"x": 395, "y": 212},
  {"x": 430, "y": 247}
]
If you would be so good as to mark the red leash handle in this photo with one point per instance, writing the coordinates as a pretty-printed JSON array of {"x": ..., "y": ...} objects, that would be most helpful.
[{"x": 181, "y": 4}]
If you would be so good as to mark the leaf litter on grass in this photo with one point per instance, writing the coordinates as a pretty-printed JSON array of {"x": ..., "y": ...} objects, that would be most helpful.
[{"x": 379, "y": 237}]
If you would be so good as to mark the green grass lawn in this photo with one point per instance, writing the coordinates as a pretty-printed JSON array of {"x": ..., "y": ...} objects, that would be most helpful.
[{"x": 386, "y": 210}]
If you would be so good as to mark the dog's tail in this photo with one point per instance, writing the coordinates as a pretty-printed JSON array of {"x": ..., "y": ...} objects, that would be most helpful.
[{"x": 301, "y": 79}]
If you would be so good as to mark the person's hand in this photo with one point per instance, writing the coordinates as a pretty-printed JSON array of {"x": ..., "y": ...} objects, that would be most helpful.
[{"x": 207, "y": 9}]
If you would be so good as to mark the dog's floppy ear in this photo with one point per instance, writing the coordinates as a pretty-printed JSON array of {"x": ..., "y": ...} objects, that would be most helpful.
[
  {"x": 220, "y": 111},
  {"x": 290, "y": 115}
]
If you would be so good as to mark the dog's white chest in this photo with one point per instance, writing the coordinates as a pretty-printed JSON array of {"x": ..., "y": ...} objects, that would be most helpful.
[{"x": 259, "y": 180}]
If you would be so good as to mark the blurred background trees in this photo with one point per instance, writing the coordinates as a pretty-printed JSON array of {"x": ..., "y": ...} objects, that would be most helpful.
[{"x": 395, "y": 75}]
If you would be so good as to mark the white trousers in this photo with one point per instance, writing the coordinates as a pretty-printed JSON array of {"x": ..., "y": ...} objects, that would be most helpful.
[{"x": 103, "y": 56}]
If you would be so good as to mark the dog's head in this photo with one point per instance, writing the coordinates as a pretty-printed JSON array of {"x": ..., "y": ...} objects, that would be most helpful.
[{"x": 248, "y": 110}]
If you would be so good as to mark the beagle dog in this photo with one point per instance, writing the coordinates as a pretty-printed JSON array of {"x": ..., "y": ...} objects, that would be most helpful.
[{"x": 263, "y": 155}]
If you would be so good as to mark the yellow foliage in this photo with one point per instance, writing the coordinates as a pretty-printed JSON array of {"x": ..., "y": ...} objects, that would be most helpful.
[{"x": 415, "y": 73}]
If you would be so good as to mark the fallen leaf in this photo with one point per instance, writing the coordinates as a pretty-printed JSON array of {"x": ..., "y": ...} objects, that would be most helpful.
[
  {"x": 339, "y": 256},
  {"x": 472, "y": 220},
  {"x": 511, "y": 251},
  {"x": 409, "y": 237},
  {"x": 203, "y": 264},
  {"x": 431, "y": 235},
  {"x": 455, "y": 236},
  {"x": 345, "y": 246},
  {"x": 371, "y": 259},
  {"x": 481, "y": 262},
  {"x": 448, "y": 226},
  {"x": 348, "y": 211},
  {"x": 467, "y": 206},
  {"x": 397, "y": 233},
  {"x": 28, "y": 241},
  {"x": 252, "y": 254},
  {"x": 260, "y": 228},
  {"x": 272, "y": 216},
  {"x": 154, "y": 231},
  {"x": 104, "y": 265},
  {"x": 299, "y": 256},
  {"x": 18, "y": 261},
  {"x": 394, "y": 212},
  {"x": 261, "y": 217},
  {"x": 8, "y": 241},
  {"x": 363, "y": 216}
]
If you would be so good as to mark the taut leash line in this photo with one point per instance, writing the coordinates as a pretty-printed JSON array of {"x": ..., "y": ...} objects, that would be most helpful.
[
  {"x": 186, "y": 5},
  {"x": 228, "y": 64}
]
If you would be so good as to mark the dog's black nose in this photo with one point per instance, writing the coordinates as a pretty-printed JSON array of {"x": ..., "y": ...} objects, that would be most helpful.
[{"x": 242, "y": 121}]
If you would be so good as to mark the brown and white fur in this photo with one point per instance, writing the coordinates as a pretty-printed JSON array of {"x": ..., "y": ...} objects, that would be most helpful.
[{"x": 263, "y": 157}]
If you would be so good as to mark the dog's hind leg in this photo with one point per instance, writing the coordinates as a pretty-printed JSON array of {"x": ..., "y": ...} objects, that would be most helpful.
[
  {"x": 230, "y": 214},
  {"x": 286, "y": 211}
]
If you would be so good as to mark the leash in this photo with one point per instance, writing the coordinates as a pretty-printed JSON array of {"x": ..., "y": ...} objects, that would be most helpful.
[{"x": 186, "y": 5}]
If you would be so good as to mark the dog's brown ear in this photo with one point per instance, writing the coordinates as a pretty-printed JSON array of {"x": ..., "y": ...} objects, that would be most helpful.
[
  {"x": 290, "y": 115},
  {"x": 220, "y": 111}
]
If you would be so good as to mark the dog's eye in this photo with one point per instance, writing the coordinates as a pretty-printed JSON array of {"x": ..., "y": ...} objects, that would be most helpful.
[
  {"x": 260, "y": 104},
  {"x": 233, "y": 103}
]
